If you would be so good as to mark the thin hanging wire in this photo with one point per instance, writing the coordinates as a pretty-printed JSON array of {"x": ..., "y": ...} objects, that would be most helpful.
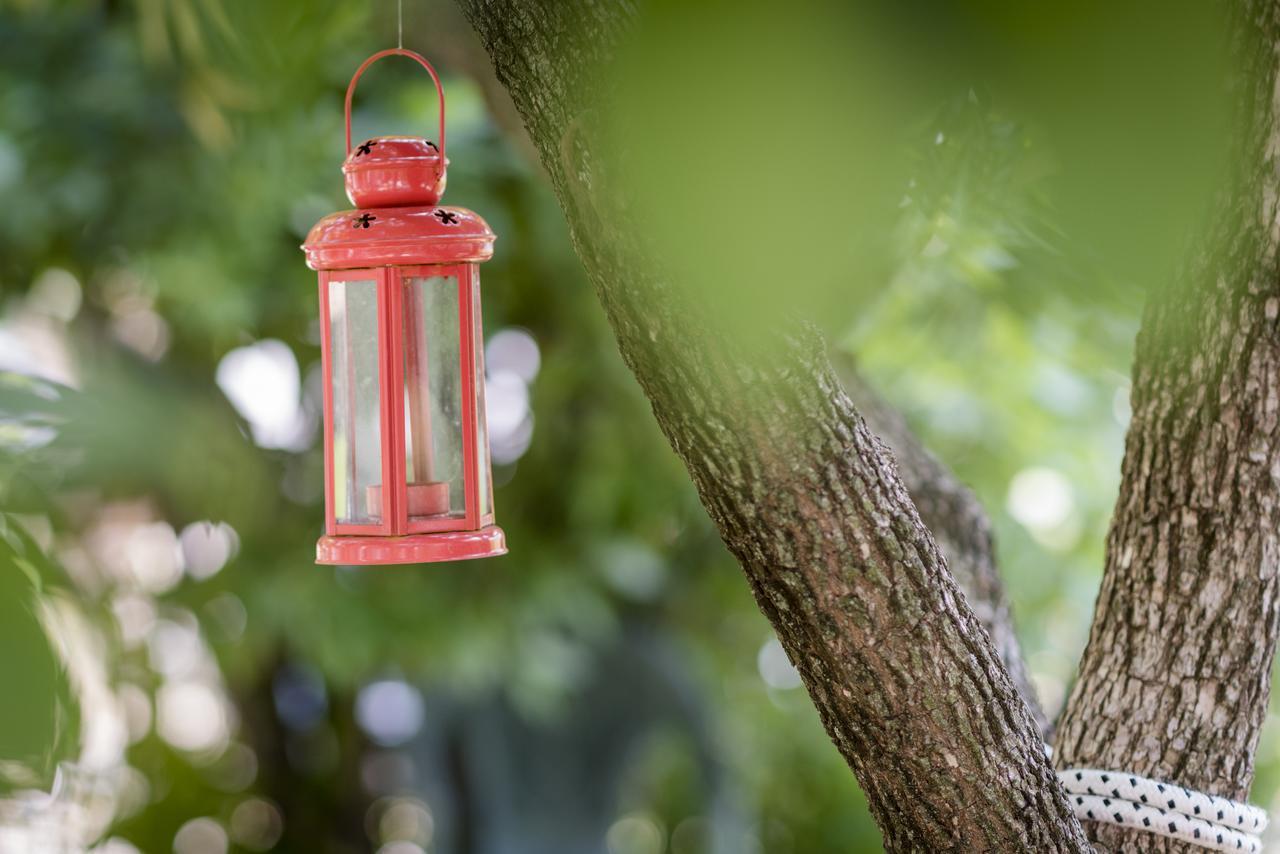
[{"x": 400, "y": 24}]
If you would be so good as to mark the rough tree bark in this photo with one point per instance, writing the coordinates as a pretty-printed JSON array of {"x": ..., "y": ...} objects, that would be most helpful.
[
  {"x": 903, "y": 675},
  {"x": 907, "y": 683},
  {"x": 1175, "y": 680},
  {"x": 959, "y": 523},
  {"x": 947, "y": 507}
]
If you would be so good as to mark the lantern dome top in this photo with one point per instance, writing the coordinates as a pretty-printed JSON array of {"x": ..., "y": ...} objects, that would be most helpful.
[
  {"x": 395, "y": 171},
  {"x": 398, "y": 236},
  {"x": 396, "y": 182}
]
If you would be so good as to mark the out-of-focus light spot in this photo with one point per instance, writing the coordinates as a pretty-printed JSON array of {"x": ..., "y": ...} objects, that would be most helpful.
[
  {"x": 691, "y": 836},
  {"x": 175, "y": 649},
  {"x": 206, "y": 548},
  {"x": 1061, "y": 390},
  {"x": 637, "y": 833},
  {"x": 634, "y": 569},
  {"x": 389, "y": 711},
  {"x": 257, "y": 824},
  {"x": 227, "y": 615},
  {"x": 55, "y": 293},
  {"x": 512, "y": 361},
  {"x": 300, "y": 697},
  {"x": 36, "y": 346},
  {"x": 936, "y": 246},
  {"x": 144, "y": 331},
  {"x": 386, "y": 771},
  {"x": 506, "y": 449},
  {"x": 153, "y": 558},
  {"x": 1120, "y": 406},
  {"x": 200, "y": 836},
  {"x": 506, "y": 401},
  {"x": 137, "y": 711},
  {"x": 954, "y": 412},
  {"x": 132, "y": 793},
  {"x": 263, "y": 383},
  {"x": 406, "y": 820},
  {"x": 114, "y": 845},
  {"x": 513, "y": 350},
  {"x": 135, "y": 615},
  {"x": 509, "y": 417},
  {"x": 235, "y": 770},
  {"x": 191, "y": 717},
  {"x": 775, "y": 668},
  {"x": 1040, "y": 498},
  {"x": 401, "y": 847}
]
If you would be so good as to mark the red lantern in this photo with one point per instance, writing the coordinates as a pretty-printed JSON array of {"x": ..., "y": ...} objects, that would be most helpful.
[{"x": 406, "y": 447}]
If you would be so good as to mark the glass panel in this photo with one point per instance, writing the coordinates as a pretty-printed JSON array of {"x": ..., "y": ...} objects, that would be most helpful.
[
  {"x": 433, "y": 398},
  {"x": 485, "y": 480},
  {"x": 357, "y": 431}
]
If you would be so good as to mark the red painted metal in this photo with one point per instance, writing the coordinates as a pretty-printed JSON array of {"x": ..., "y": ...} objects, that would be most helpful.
[
  {"x": 327, "y": 370},
  {"x": 466, "y": 335},
  {"x": 415, "y": 548},
  {"x": 390, "y": 382},
  {"x": 389, "y": 171},
  {"x": 396, "y": 234},
  {"x": 392, "y": 171}
]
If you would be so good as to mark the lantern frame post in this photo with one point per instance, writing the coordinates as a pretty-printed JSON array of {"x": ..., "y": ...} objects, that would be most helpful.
[{"x": 377, "y": 277}]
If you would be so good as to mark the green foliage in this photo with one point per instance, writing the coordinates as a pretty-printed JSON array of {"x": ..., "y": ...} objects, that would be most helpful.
[{"x": 40, "y": 728}]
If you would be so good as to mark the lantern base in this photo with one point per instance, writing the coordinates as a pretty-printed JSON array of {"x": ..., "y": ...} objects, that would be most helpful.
[{"x": 415, "y": 548}]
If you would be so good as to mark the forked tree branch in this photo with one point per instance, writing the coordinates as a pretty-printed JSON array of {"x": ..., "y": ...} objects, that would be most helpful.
[
  {"x": 948, "y": 508},
  {"x": 904, "y": 676}
]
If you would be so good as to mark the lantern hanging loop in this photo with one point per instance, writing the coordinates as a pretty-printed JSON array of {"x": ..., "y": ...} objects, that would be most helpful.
[{"x": 397, "y": 51}]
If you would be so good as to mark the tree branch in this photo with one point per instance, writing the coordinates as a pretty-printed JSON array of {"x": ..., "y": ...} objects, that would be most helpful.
[
  {"x": 1175, "y": 680},
  {"x": 958, "y": 522},
  {"x": 947, "y": 507},
  {"x": 903, "y": 675}
]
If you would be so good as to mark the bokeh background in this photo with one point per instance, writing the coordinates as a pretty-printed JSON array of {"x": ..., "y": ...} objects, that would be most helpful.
[{"x": 971, "y": 199}]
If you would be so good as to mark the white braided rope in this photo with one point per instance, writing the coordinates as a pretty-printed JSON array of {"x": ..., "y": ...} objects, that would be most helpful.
[{"x": 1152, "y": 806}]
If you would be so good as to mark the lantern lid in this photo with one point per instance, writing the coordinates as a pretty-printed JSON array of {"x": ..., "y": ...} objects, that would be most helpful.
[
  {"x": 395, "y": 171},
  {"x": 374, "y": 237}
]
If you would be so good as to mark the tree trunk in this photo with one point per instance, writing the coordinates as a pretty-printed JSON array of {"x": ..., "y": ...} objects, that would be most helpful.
[
  {"x": 947, "y": 507},
  {"x": 1175, "y": 680},
  {"x": 905, "y": 679},
  {"x": 958, "y": 522}
]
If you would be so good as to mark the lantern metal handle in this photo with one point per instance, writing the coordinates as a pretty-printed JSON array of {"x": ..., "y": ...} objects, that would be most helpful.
[{"x": 396, "y": 51}]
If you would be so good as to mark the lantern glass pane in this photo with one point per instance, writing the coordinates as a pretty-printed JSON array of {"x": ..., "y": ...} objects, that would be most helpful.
[
  {"x": 485, "y": 479},
  {"x": 357, "y": 429},
  {"x": 433, "y": 399}
]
